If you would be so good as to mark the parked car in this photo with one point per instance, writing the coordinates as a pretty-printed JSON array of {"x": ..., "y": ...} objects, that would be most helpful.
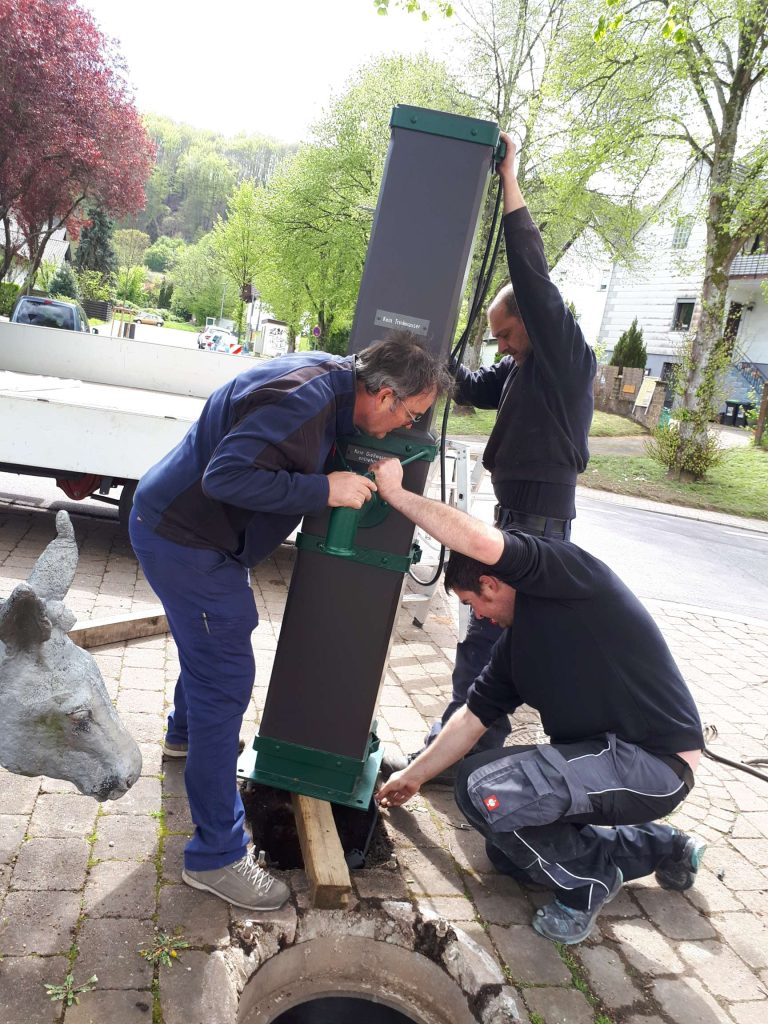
[
  {"x": 215, "y": 339},
  {"x": 44, "y": 312},
  {"x": 149, "y": 318}
]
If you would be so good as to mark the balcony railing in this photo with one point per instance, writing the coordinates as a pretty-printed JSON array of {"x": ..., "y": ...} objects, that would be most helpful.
[{"x": 750, "y": 266}]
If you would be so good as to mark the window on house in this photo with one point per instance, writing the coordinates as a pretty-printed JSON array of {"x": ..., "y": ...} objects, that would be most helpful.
[
  {"x": 683, "y": 314},
  {"x": 682, "y": 232}
]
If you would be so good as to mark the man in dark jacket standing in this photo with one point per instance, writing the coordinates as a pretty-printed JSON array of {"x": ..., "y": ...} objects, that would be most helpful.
[
  {"x": 232, "y": 490},
  {"x": 542, "y": 388},
  {"x": 625, "y": 735}
]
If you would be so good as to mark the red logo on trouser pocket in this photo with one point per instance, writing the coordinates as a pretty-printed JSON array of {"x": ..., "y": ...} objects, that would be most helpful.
[{"x": 491, "y": 802}]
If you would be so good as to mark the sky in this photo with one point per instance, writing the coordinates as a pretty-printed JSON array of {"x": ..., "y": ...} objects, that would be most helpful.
[{"x": 264, "y": 67}]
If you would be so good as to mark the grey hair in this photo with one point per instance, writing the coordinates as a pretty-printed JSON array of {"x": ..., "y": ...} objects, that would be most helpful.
[
  {"x": 402, "y": 364},
  {"x": 506, "y": 296}
]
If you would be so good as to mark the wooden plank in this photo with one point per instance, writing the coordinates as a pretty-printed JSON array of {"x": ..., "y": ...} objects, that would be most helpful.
[
  {"x": 118, "y": 628},
  {"x": 329, "y": 881}
]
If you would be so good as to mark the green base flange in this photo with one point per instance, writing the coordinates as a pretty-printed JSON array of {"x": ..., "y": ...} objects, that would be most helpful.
[{"x": 295, "y": 768}]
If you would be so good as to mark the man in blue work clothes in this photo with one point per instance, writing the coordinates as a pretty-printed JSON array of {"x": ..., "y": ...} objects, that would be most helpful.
[
  {"x": 233, "y": 489},
  {"x": 542, "y": 388},
  {"x": 579, "y": 814}
]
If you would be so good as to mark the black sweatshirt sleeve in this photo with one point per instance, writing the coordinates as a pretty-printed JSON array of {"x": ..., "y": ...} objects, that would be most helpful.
[
  {"x": 562, "y": 353},
  {"x": 493, "y": 693},
  {"x": 481, "y": 388}
]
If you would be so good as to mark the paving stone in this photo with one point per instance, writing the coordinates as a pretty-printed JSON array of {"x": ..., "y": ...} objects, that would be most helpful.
[
  {"x": 639, "y": 1018},
  {"x": 646, "y": 949},
  {"x": 430, "y": 872},
  {"x": 151, "y": 758},
  {"x": 450, "y": 908},
  {"x": 12, "y": 830},
  {"x": 532, "y": 960},
  {"x": 173, "y": 858},
  {"x": 685, "y": 1001},
  {"x": 711, "y": 895},
  {"x": 674, "y": 915},
  {"x": 722, "y": 972},
  {"x": 747, "y": 936},
  {"x": 755, "y": 850},
  {"x": 144, "y": 797},
  {"x": 62, "y": 816},
  {"x": 202, "y": 993},
  {"x": 499, "y": 900},
  {"x": 23, "y": 999},
  {"x": 559, "y": 1005},
  {"x": 202, "y": 917},
  {"x": 143, "y": 702},
  {"x": 738, "y": 873},
  {"x": 608, "y": 977},
  {"x": 19, "y": 792},
  {"x": 415, "y": 824},
  {"x": 380, "y": 883},
  {"x": 621, "y": 906},
  {"x": 38, "y": 922},
  {"x": 143, "y": 657},
  {"x": 121, "y": 889},
  {"x": 132, "y": 1006},
  {"x": 109, "y": 949},
  {"x": 177, "y": 816},
  {"x": 51, "y": 864},
  {"x": 144, "y": 728},
  {"x": 173, "y": 778},
  {"x": 132, "y": 837}
]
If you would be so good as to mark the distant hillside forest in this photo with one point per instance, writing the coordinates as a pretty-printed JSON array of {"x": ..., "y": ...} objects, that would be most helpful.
[{"x": 195, "y": 174}]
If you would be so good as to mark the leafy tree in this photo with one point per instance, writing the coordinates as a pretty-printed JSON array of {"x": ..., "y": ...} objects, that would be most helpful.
[
  {"x": 630, "y": 348},
  {"x": 205, "y": 180},
  {"x": 131, "y": 245},
  {"x": 93, "y": 285},
  {"x": 166, "y": 292},
  {"x": 83, "y": 143},
  {"x": 681, "y": 87},
  {"x": 64, "y": 282},
  {"x": 235, "y": 242},
  {"x": 95, "y": 250},
  {"x": 201, "y": 288},
  {"x": 130, "y": 284},
  {"x": 163, "y": 253}
]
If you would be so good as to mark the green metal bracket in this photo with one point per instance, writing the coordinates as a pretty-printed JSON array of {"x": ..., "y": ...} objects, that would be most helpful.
[
  {"x": 450, "y": 126},
  {"x": 366, "y": 556},
  {"x": 317, "y": 773}
]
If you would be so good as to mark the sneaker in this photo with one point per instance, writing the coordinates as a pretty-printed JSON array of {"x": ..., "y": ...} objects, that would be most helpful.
[
  {"x": 243, "y": 883},
  {"x": 174, "y": 749},
  {"x": 567, "y": 925},
  {"x": 678, "y": 871}
]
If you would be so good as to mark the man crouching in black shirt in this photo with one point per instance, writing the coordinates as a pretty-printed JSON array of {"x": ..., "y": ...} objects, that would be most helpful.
[{"x": 625, "y": 735}]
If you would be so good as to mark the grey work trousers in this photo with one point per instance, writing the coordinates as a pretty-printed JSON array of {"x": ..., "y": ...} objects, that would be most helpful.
[{"x": 567, "y": 815}]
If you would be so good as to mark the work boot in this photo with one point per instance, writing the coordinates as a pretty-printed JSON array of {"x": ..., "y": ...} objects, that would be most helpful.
[
  {"x": 565, "y": 924},
  {"x": 243, "y": 883},
  {"x": 393, "y": 761},
  {"x": 678, "y": 871},
  {"x": 174, "y": 749}
]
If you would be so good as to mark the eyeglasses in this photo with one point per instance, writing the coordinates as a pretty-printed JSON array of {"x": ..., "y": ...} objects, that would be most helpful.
[{"x": 414, "y": 417}]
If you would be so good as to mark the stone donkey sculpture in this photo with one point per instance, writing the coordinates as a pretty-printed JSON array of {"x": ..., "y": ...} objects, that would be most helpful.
[{"x": 56, "y": 717}]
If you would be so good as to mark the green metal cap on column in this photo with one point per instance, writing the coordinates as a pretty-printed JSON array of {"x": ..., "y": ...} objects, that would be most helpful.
[{"x": 450, "y": 126}]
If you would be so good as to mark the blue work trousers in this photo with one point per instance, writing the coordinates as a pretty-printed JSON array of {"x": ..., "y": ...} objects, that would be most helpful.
[{"x": 211, "y": 614}]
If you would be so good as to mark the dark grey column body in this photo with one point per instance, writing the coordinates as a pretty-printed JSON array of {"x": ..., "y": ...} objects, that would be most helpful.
[{"x": 338, "y": 619}]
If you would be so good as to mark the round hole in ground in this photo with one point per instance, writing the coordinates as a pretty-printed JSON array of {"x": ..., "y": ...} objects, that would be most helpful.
[
  {"x": 358, "y": 970},
  {"x": 342, "y": 1010}
]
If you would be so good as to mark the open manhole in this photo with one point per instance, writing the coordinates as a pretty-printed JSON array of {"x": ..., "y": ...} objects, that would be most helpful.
[
  {"x": 269, "y": 813},
  {"x": 342, "y": 1010}
]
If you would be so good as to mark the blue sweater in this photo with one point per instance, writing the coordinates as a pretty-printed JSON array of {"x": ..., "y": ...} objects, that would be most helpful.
[{"x": 251, "y": 467}]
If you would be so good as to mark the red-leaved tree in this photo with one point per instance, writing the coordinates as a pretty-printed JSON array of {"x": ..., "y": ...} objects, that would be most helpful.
[{"x": 69, "y": 129}]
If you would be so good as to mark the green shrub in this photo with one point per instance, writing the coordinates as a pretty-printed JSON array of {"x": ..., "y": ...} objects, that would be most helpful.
[
  {"x": 692, "y": 456},
  {"x": 64, "y": 283},
  {"x": 630, "y": 348},
  {"x": 8, "y": 294}
]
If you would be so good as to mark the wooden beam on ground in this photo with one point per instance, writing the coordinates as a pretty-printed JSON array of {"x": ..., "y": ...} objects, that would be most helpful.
[
  {"x": 118, "y": 628},
  {"x": 329, "y": 882}
]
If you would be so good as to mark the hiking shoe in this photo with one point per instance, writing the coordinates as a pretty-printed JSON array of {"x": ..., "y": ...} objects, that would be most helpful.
[
  {"x": 243, "y": 883},
  {"x": 393, "y": 761},
  {"x": 678, "y": 871},
  {"x": 564, "y": 924},
  {"x": 174, "y": 749}
]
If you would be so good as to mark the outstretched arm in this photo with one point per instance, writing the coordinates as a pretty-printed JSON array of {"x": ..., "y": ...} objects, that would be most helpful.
[{"x": 455, "y": 529}]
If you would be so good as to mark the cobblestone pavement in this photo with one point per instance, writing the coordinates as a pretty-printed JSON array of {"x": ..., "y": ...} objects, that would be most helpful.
[{"x": 82, "y": 885}]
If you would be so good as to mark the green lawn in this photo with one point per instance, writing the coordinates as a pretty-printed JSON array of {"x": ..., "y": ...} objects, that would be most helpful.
[
  {"x": 479, "y": 422},
  {"x": 739, "y": 485}
]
